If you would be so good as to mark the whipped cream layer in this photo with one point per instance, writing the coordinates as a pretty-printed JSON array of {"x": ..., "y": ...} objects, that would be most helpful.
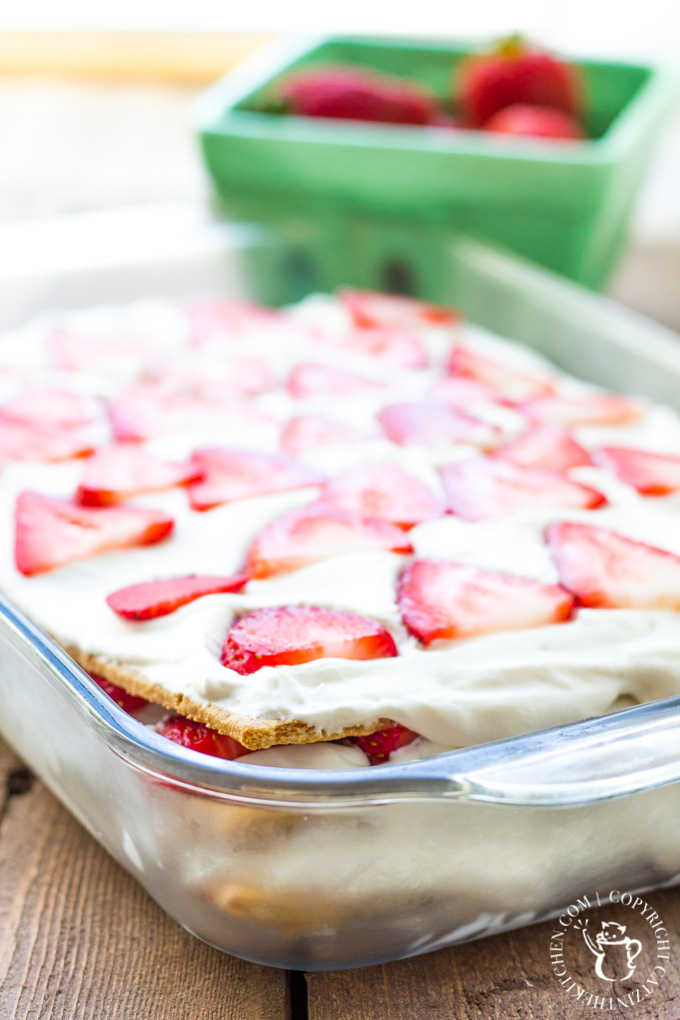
[{"x": 454, "y": 693}]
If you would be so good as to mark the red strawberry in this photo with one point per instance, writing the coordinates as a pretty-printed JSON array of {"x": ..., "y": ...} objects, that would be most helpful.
[
  {"x": 354, "y": 93},
  {"x": 214, "y": 377},
  {"x": 391, "y": 344},
  {"x": 652, "y": 474},
  {"x": 211, "y": 319},
  {"x": 383, "y": 491},
  {"x": 128, "y": 702},
  {"x": 592, "y": 409},
  {"x": 507, "y": 380},
  {"x": 48, "y": 408},
  {"x": 483, "y": 488},
  {"x": 314, "y": 380},
  {"x": 201, "y": 738},
  {"x": 605, "y": 570},
  {"x": 431, "y": 425},
  {"x": 439, "y": 600},
  {"x": 27, "y": 442},
  {"x": 544, "y": 447},
  {"x": 116, "y": 473},
  {"x": 370, "y": 308},
  {"x": 148, "y": 600},
  {"x": 241, "y": 474},
  {"x": 308, "y": 431},
  {"x": 379, "y": 746},
  {"x": 144, "y": 411},
  {"x": 51, "y": 532},
  {"x": 460, "y": 393},
  {"x": 536, "y": 121},
  {"x": 516, "y": 73},
  {"x": 289, "y": 635},
  {"x": 79, "y": 352},
  {"x": 316, "y": 533}
]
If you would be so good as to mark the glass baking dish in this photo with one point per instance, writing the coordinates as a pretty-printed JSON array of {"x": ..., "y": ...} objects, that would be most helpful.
[{"x": 311, "y": 869}]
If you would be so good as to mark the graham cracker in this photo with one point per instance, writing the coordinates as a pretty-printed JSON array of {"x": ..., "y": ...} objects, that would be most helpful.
[{"x": 255, "y": 734}]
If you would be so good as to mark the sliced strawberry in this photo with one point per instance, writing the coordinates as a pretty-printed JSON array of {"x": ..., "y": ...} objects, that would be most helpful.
[
  {"x": 380, "y": 745},
  {"x": 316, "y": 533},
  {"x": 395, "y": 346},
  {"x": 116, "y": 473},
  {"x": 146, "y": 410},
  {"x": 27, "y": 442},
  {"x": 460, "y": 393},
  {"x": 150, "y": 599},
  {"x": 248, "y": 376},
  {"x": 593, "y": 409},
  {"x": 483, "y": 488},
  {"x": 383, "y": 491},
  {"x": 206, "y": 375},
  {"x": 506, "y": 379},
  {"x": 47, "y": 408},
  {"x": 80, "y": 352},
  {"x": 241, "y": 474},
  {"x": 51, "y": 532},
  {"x": 431, "y": 425},
  {"x": 606, "y": 570},
  {"x": 290, "y": 635},
  {"x": 310, "y": 379},
  {"x": 128, "y": 702},
  {"x": 652, "y": 474},
  {"x": 441, "y": 600},
  {"x": 209, "y": 319},
  {"x": 370, "y": 308},
  {"x": 544, "y": 447},
  {"x": 201, "y": 738},
  {"x": 310, "y": 430}
]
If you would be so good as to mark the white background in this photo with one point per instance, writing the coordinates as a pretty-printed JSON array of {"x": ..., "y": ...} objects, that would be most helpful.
[{"x": 643, "y": 27}]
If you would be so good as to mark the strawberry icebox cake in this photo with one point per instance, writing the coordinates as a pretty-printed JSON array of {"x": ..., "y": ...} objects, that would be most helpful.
[{"x": 353, "y": 531}]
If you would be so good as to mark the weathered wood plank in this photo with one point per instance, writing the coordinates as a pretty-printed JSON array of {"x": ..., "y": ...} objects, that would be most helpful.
[
  {"x": 508, "y": 977},
  {"x": 81, "y": 940}
]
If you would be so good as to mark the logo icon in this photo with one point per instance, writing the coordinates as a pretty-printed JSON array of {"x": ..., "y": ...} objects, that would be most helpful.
[
  {"x": 627, "y": 970},
  {"x": 611, "y": 936}
]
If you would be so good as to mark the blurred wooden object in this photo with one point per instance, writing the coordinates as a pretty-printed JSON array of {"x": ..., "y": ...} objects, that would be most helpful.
[{"x": 167, "y": 57}]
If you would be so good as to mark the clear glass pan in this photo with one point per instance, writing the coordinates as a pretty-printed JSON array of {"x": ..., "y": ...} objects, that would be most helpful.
[{"x": 307, "y": 869}]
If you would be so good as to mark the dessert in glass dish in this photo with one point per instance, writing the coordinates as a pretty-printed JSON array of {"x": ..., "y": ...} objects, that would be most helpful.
[{"x": 352, "y": 531}]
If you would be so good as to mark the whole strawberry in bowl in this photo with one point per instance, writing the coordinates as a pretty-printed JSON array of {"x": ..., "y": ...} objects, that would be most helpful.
[
  {"x": 515, "y": 72},
  {"x": 355, "y": 93},
  {"x": 537, "y": 121}
]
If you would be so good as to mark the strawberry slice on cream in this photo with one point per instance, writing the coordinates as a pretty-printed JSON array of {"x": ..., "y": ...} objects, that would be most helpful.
[
  {"x": 290, "y": 635},
  {"x": 483, "y": 488},
  {"x": 51, "y": 532}
]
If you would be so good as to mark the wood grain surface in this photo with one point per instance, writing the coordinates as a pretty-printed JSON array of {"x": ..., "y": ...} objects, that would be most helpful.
[
  {"x": 81, "y": 940},
  {"x": 508, "y": 977}
]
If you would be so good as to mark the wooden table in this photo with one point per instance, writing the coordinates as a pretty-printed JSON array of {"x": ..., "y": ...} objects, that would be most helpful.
[{"x": 81, "y": 940}]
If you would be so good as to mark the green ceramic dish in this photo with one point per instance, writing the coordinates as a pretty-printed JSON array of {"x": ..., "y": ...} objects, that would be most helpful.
[{"x": 384, "y": 200}]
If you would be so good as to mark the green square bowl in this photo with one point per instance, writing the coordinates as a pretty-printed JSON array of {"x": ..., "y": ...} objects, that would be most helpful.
[{"x": 380, "y": 203}]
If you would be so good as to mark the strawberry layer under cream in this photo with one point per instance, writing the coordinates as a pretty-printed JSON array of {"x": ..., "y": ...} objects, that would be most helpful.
[{"x": 453, "y": 693}]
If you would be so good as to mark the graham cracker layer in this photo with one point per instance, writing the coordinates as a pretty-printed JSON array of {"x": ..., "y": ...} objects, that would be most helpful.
[{"x": 255, "y": 734}]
